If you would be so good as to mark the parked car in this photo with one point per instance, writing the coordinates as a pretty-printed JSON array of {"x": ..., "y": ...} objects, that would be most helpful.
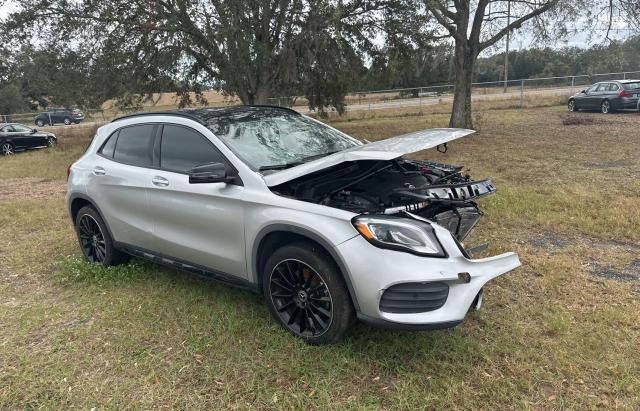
[
  {"x": 17, "y": 137},
  {"x": 607, "y": 96},
  {"x": 59, "y": 115},
  {"x": 325, "y": 227}
]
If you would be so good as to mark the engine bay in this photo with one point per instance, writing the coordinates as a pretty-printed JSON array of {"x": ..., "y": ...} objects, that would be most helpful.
[{"x": 439, "y": 192}]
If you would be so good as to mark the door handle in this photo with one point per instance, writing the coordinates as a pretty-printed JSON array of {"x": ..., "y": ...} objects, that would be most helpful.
[
  {"x": 99, "y": 171},
  {"x": 160, "y": 181}
]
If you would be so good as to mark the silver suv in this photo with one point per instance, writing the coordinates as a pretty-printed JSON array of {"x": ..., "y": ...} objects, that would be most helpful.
[{"x": 326, "y": 227}]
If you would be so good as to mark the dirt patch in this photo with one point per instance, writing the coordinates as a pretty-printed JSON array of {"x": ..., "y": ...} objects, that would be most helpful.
[
  {"x": 580, "y": 120},
  {"x": 607, "y": 164},
  {"x": 549, "y": 240},
  {"x": 630, "y": 272},
  {"x": 30, "y": 187}
]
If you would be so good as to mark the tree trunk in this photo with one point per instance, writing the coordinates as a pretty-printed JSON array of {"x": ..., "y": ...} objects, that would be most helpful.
[{"x": 464, "y": 60}]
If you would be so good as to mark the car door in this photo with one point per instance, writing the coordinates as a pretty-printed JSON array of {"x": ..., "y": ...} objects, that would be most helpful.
[
  {"x": 590, "y": 97},
  {"x": 118, "y": 183},
  {"x": 28, "y": 137},
  {"x": 18, "y": 139},
  {"x": 202, "y": 224}
]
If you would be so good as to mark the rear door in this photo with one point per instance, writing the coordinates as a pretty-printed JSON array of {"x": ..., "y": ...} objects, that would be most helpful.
[
  {"x": 119, "y": 180},
  {"x": 201, "y": 224}
]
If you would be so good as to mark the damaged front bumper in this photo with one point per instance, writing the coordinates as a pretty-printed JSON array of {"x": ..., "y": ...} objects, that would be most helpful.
[{"x": 400, "y": 290}]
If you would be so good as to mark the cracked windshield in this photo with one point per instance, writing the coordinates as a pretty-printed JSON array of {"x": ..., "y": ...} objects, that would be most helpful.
[{"x": 279, "y": 141}]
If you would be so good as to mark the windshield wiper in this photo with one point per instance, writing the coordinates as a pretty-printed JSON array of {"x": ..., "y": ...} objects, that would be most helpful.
[
  {"x": 279, "y": 166},
  {"x": 316, "y": 156}
]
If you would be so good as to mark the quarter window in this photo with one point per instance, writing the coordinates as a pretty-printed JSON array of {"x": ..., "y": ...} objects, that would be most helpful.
[
  {"x": 134, "y": 145},
  {"x": 182, "y": 149},
  {"x": 109, "y": 147}
]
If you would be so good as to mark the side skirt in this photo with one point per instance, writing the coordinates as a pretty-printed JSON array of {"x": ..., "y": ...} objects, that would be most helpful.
[{"x": 187, "y": 266}]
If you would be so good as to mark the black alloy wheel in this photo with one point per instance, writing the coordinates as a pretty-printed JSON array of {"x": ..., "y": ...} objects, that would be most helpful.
[
  {"x": 92, "y": 240},
  {"x": 307, "y": 294},
  {"x": 51, "y": 141},
  {"x": 301, "y": 298},
  {"x": 95, "y": 240}
]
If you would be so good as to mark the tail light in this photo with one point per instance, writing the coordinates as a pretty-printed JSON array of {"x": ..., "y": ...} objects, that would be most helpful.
[
  {"x": 624, "y": 93},
  {"x": 68, "y": 171}
]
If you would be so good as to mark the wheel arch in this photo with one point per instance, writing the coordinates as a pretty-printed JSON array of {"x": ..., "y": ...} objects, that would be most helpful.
[
  {"x": 275, "y": 236},
  {"x": 77, "y": 201}
]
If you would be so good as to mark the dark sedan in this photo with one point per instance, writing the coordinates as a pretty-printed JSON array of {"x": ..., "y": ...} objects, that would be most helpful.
[
  {"x": 607, "y": 96},
  {"x": 17, "y": 137},
  {"x": 59, "y": 115}
]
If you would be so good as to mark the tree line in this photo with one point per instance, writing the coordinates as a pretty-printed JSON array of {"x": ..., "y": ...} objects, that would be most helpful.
[{"x": 258, "y": 49}]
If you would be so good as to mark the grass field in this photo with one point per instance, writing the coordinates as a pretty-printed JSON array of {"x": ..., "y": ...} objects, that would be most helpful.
[{"x": 562, "y": 331}]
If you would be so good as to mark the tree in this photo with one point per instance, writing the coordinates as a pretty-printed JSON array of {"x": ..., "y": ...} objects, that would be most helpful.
[
  {"x": 475, "y": 26},
  {"x": 255, "y": 49}
]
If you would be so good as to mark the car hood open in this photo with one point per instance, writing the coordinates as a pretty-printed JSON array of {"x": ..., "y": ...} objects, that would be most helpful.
[{"x": 386, "y": 149}]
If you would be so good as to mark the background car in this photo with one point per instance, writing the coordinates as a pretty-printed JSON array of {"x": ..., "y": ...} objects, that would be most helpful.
[
  {"x": 59, "y": 115},
  {"x": 17, "y": 137},
  {"x": 607, "y": 96}
]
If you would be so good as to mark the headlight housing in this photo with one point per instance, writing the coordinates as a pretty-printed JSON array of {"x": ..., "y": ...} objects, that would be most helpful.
[{"x": 402, "y": 234}]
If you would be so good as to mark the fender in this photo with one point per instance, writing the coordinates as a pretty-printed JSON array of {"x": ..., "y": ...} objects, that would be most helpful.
[{"x": 312, "y": 236}]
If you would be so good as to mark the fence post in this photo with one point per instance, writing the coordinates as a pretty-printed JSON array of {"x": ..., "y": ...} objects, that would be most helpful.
[
  {"x": 573, "y": 80},
  {"x": 521, "y": 93}
]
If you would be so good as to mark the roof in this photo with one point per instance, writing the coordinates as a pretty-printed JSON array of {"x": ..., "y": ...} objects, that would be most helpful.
[{"x": 211, "y": 115}]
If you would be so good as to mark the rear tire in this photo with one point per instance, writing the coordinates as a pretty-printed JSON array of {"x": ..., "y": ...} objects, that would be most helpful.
[
  {"x": 7, "y": 149},
  {"x": 605, "y": 107},
  {"x": 95, "y": 241},
  {"x": 66, "y": 121},
  {"x": 306, "y": 293}
]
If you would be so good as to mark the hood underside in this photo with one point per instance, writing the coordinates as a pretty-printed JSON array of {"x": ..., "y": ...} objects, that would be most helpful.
[{"x": 387, "y": 149}]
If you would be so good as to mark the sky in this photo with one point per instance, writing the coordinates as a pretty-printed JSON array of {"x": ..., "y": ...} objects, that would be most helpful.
[{"x": 519, "y": 40}]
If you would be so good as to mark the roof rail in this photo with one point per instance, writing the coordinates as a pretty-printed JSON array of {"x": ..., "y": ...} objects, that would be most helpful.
[
  {"x": 272, "y": 106},
  {"x": 160, "y": 113}
]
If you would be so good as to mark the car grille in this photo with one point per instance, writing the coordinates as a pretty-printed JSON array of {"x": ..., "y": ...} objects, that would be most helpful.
[
  {"x": 414, "y": 297},
  {"x": 459, "y": 221}
]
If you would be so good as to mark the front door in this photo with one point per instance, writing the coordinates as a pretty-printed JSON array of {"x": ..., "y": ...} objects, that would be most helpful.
[{"x": 201, "y": 224}]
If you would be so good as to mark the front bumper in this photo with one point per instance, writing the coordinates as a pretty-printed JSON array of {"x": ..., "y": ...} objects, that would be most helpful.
[{"x": 373, "y": 270}]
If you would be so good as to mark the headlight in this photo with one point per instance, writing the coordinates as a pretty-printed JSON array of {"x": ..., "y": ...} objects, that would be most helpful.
[{"x": 402, "y": 234}]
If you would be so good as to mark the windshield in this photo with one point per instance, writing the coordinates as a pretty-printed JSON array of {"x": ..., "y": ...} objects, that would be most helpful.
[{"x": 278, "y": 140}]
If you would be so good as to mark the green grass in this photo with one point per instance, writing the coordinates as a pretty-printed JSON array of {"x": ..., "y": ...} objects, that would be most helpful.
[{"x": 549, "y": 335}]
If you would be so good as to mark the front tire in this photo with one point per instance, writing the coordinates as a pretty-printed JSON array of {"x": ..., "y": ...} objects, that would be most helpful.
[
  {"x": 7, "y": 149},
  {"x": 39, "y": 123},
  {"x": 51, "y": 142},
  {"x": 95, "y": 241},
  {"x": 306, "y": 293},
  {"x": 572, "y": 106},
  {"x": 605, "y": 107}
]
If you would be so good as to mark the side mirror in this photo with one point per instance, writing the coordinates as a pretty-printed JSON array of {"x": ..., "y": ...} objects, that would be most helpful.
[
  {"x": 33, "y": 130},
  {"x": 584, "y": 91},
  {"x": 210, "y": 173}
]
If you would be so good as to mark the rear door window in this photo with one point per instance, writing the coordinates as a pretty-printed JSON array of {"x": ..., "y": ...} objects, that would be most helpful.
[
  {"x": 613, "y": 87},
  {"x": 135, "y": 145},
  {"x": 603, "y": 87},
  {"x": 183, "y": 148}
]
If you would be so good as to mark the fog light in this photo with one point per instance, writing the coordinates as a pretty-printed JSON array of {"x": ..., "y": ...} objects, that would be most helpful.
[{"x": 464, "y": 277}]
